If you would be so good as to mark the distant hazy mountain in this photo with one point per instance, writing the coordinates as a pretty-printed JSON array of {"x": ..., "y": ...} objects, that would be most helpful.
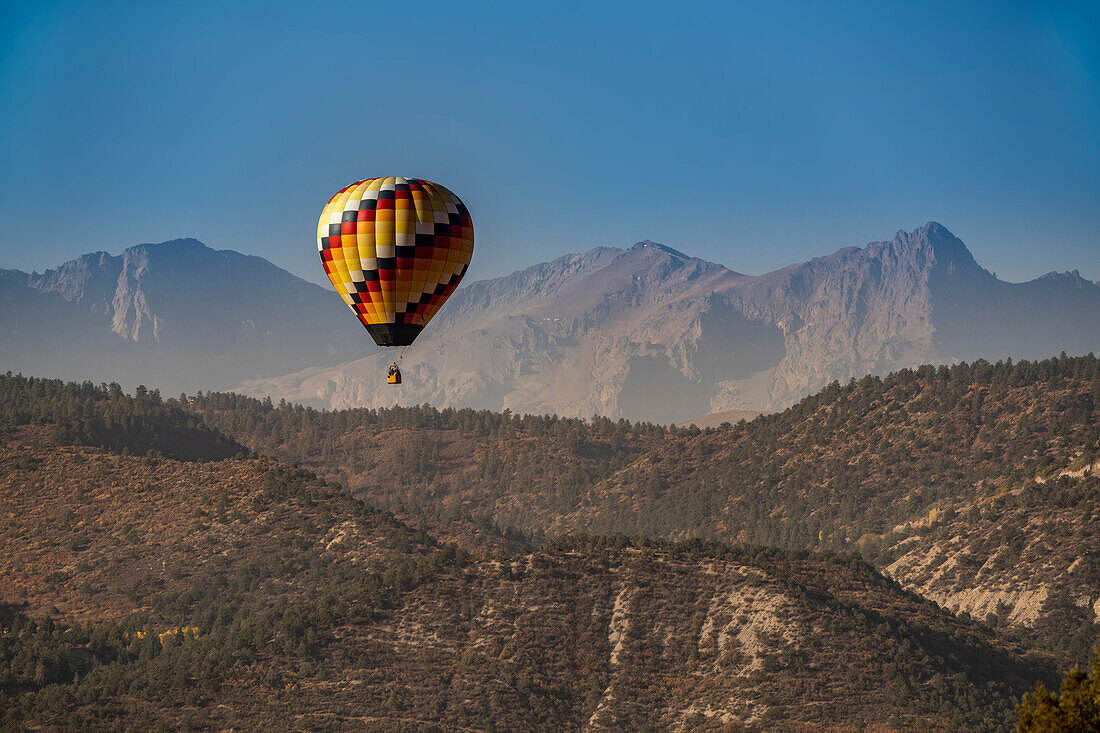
[
  {"x": 644, "y": 333},
  {"x": 651, "y": 333},
  {"x": 176, "y": 316}
]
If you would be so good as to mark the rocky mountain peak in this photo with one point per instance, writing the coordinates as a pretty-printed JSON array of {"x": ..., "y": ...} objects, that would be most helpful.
[
  {"x": 945, "y": 249},
  {"x": 1072, "y": 279},
  {"x": 181, "y": 243},
  {"x": 647, "y": 244},
  {"x": 89, "y": 279},
  {"x": 174, "y": 250},
  {"x": 655, "y": 262}
]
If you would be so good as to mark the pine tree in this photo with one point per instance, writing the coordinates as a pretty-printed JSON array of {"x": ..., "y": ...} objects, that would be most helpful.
[{"x": 1075, "y": 708}]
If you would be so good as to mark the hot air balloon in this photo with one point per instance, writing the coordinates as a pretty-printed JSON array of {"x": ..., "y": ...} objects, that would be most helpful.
[{"x": 395, "y": 249}]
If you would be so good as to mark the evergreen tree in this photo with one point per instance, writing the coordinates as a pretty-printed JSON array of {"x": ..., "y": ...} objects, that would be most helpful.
[{"x": 1075, "y": 708}]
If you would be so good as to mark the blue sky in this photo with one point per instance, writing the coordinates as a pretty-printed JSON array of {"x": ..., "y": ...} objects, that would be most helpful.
[{"x": 751, "y": 134}]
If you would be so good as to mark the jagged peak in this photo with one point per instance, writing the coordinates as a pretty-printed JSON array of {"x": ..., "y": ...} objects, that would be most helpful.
[
  {"x": 936, "y": 236},
  {"x": 16, "y": 276},
  {"x": 1072, "y": 277},
  {"x": 99, "y": 256},
  {"x": 934, "y": 230},
  {"x": 932, "y": 244},
  {"x": 645, "y": 243},
  {"x": 101, "y": 259}
]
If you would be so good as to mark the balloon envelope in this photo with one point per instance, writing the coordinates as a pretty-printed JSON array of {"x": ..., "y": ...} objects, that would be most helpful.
[{"x": 395, "y": 249}]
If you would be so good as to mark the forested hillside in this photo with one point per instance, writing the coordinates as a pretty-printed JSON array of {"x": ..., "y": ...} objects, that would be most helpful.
[
  {"x": 142, "y": 592},
  {"x": 448, "y": 468},
  {"x": 103, "y": 416},
  {"x": 150, "y": 592},
  {"x": 974, "y": 483}
]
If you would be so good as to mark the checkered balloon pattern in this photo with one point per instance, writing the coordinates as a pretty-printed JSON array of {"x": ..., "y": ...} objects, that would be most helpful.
[{"x": 395, "y": 249}]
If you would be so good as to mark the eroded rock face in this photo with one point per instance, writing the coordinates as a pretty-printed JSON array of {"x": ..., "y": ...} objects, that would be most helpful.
[
  {"x": 658, "y": 640},
  {"x": 649, "y": 333},
  {"x": 89, "y": 280},
  {"x": 1014, "y": 598}
]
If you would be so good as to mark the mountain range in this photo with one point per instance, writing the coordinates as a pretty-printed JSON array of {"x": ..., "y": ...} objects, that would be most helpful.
[
  {"x": 647, "y": 333},
  {"x": 177, "y": 316}
]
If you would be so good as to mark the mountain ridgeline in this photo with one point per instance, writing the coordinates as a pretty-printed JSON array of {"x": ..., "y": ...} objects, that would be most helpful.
[
  {"x": 177, "y": 316},
  {"x": 103, "y": 416},
  {"x": 647, "y": 333}
]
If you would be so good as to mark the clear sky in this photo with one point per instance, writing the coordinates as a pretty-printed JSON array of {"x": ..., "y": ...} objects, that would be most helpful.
[{"x": 751, "y": 134}]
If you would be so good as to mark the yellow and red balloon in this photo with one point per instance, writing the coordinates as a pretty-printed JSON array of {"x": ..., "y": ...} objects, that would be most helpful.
[{"x": 395, "y": 249}]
